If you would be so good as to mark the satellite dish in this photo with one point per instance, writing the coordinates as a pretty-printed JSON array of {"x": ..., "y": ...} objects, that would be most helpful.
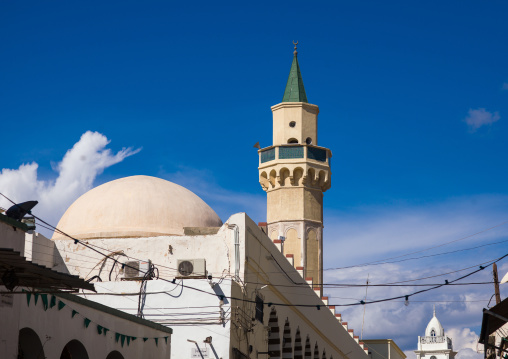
[
  {"x": 18, "y": 211},
  {"x": 505, "y": 278}
]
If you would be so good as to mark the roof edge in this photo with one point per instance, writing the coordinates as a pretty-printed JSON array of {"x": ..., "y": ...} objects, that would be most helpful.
[{"x": 115, "y": 312}]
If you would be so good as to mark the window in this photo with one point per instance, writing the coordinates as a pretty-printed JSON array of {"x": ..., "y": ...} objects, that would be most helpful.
[
  {"x": 259, "y": 308},
  {"x": 308, "y": 141},
  {"x": 292, "y": 124},
  {"x": 292, "y": 140},
  {"x": 432, "y": 333}
]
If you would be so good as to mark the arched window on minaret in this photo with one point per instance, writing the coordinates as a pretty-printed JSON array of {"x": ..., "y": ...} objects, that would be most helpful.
[{"x": 432, "y": 333}]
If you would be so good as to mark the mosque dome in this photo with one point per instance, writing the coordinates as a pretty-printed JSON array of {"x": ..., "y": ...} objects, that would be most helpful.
[
  {"x": 434, "y": 328},
  {"x": 137, "y": 206}
]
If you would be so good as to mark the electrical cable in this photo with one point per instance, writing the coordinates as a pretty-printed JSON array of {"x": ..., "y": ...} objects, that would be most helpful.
[
  {"x": 77, "y": 241},
  {"x": 414, "y": 258},
  {"x": 343, "y": 285},
  {"x": 424, "y": 250}
]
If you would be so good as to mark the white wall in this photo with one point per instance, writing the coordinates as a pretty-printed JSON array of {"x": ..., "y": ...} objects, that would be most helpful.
[
  {"x": 274, "y": 278},
  {"x": 192, "y": 314},
  {"x": 257, "y": 269},
  {"x": 55, "y": 328},
  {"x": 11, "y": 237},
  {"x": 39, "y": 249}
]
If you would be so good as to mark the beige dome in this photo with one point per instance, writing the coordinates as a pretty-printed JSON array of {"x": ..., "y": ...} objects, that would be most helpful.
[{"x": 137, "y": 206}]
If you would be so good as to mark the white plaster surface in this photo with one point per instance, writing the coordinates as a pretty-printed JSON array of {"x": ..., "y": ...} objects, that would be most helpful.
[{"x": 55, "y": 328}]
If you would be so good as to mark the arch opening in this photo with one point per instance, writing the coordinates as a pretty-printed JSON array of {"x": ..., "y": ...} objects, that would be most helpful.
[
  {"x": 285, "y": 177},
  {"x": 298, "y": 354},
  {"x": 274, "y": 335},
  {"x": 287, "y": 348},
  {"x": 29, "y": 345},
  {"x": 297, "y": 176},
  {"x": 316, "y": 351},
  {"x": 74, "y": 350},
  {"x": 308, "y": 350},
  {"x": 115, "y": 355}
]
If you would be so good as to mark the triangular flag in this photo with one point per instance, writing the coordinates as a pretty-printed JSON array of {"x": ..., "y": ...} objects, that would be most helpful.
[
  {"x": 105, "y": 331},
  {"x": 36, "y": 297},
  {"x": 99, "y": 329},
  {"x": 60, "y": 305},
  {"x": 166, "y": 340},
  {"x": 122, "y": 339},
  {"x": 52, "y": 302},
  {"x": 128, "y": 340},
  {"x": 87, "y": 322},
  {"x": 117, "y": 336},
  {"x": 156, "y": 341},
  {"x": 133, "y": 338},
  {"x": 74, "y": 313},
  {"x": 28, "y": 296},
  {"x": 145, "y": 339},
  {"x": 44, "y": 298}
]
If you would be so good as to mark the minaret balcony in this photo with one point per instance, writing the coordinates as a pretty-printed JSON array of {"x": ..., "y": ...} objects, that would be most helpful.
[
  {"x": 432, "y": 340},
  {"x": 295, "y": 166},
  {"x": 436, "y": 340},
  {"x": 294, "y": 153}
]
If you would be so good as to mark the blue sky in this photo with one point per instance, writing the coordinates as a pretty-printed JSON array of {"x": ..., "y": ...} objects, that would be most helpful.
[{"x": 413, "y": 101}]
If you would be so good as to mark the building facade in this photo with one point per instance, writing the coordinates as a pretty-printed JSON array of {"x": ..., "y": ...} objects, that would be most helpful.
[
  {"x": 42, "y": 319},
  {"x": 384, "y": 349}
]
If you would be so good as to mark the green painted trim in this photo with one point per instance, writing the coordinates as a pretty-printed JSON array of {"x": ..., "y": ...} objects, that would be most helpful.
[
  {"x": 295, "y": 92},
  {"x": 115, "y": 312},
  {"x": 13, "y": 222}
]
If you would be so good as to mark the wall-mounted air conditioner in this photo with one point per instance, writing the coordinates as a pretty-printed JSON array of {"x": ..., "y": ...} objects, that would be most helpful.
[
  {"x": 135, "y": 269},
  {"x": 191, "y": 268}
]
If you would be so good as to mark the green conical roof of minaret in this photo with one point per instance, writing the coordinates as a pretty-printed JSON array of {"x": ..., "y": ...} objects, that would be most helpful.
[{"x": 295, "y": 92}]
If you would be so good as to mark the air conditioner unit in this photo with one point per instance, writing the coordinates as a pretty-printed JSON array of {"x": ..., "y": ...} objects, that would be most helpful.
[
  {"x": 191, "y": 268},
  {"x": 135, "y": 269}
]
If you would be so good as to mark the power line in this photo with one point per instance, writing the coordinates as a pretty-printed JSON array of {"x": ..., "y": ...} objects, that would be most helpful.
[
  {"x": 77, "y": 241},
  {"x": 414, "y": 258},
  {"x": 421, "y": 251}
]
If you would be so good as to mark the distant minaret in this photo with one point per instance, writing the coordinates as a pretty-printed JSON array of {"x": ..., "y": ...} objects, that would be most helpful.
[
  {"x": 295, "y": 172},
  {"x": 435, "y": 344}
]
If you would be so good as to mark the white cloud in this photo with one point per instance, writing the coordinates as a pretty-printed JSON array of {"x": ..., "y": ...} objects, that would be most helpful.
[
  {"x": 76, "y": 173},
  {"x": 480, "y": 117},
  {"x": 464, "y": 339},
  {"x": 371, "y": 233},
  {"x": 376, "y": 232},
  {"x": 458, "y": 307}
]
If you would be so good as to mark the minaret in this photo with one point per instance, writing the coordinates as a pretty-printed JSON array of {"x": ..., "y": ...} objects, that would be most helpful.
[
  {"x": 295, "y": 172},
  {"x": 435, "y": 344}
]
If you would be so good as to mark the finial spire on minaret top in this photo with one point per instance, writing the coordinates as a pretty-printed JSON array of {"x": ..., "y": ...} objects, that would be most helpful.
[
  {"x": 434, "y": 310},
  {"x": 295, "y": 92}
]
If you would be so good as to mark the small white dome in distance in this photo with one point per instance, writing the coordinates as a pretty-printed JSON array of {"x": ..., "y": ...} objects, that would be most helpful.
[
  {"x": 137, "y": 206},
  {"x": 434, "y": 328}
]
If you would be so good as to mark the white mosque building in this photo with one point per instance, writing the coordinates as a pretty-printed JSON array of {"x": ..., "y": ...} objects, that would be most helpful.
[
  {"x": 236, "y": 289},
  {"x": 435, "y": 344}
]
